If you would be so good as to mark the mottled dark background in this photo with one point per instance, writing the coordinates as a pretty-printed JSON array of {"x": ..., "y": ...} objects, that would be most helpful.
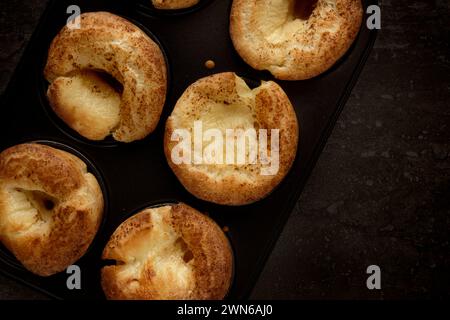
[{"x": 380, "y": 192}]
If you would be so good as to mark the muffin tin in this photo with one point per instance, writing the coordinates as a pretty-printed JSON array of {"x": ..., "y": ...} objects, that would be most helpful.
[{"x": 137, "y": 175}]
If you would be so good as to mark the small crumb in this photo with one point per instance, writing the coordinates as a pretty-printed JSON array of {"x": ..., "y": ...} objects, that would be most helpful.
[
  {"x": 226, "y": 229},
  {"x": 210, "y": 64}
]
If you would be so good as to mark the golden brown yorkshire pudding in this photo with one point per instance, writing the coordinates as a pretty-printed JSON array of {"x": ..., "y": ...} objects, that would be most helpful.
[
  {"x": 228, "y": 112},
  {"x": 168, "y": 253},
  {"x": 294, "y": 39},
  {"x": 174, "y": 4},
  {"x": 50, "y": 207},
  {"x": 87, "y": 102}
]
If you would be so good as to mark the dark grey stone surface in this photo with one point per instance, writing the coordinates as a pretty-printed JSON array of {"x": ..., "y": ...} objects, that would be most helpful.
[{"x": 380, "y": 193}]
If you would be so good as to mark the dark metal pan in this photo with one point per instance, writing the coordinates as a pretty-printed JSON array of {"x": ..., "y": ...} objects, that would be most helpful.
[{"x": 137, "y": 174}]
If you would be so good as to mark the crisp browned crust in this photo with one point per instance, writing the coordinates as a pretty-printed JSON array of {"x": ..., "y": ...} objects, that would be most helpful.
[
  {"x": 174, "y": 4},
  {"x": 266, "y": 107},
  {"x": 168, "y": 253},
  {"x": 114, "y": 45},
  {"x": 47, "y": 240},
  {"x": 268, "y": 36}
]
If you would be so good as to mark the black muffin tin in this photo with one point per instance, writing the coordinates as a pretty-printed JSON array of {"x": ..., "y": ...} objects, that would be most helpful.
[{"x": 137, "y": 175}]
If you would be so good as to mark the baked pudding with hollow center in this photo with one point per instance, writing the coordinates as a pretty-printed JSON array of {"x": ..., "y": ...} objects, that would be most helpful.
[
  {"x": 174, "y": 4},
  {"x": 50, "y": 207},
  {"x": 171, "y": 252},
  {"x": 106, "y": 78},
  {"x": 294, "y": 39},
  {"x": 230, "y": 144}
]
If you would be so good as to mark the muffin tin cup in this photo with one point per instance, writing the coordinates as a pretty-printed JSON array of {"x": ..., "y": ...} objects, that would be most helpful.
[
  {"x": 137, "y": 174},
  {"x": 8, "y": 259},
  {"x": 43, "y": 85},
  {"x": 163, "y": 203}
]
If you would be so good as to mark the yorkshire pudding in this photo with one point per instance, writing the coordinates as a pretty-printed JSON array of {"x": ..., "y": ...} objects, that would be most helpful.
[
  {"x": 50, "y": 207},
  {"x": 174, "y": 4},
  {"x": 228, "y": 111},
  {"x": 168, "y": 253},
  {"x": 89, "y": 104},
  {"x": 294, "y": 39}
]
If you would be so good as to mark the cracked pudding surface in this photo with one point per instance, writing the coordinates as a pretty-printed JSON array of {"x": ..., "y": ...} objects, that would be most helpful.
[
  {"x": 294, "y": 39},
  {"x": 106, "y": 44},
  {"x": 50, "y": 207},
  {"x": 223, "y": 102},
  {"x": 167, "y": 253}
]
